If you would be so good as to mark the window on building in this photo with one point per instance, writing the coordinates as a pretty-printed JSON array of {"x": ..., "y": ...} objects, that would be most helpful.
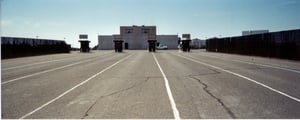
[
  {"x": 128, "y": 31},
  {"x": 145, "y": 30}
]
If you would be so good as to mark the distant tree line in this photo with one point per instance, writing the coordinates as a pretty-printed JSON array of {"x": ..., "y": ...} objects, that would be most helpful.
[
  {"x": 283, "y": 44},
  {"x": 12, "y": 47}
]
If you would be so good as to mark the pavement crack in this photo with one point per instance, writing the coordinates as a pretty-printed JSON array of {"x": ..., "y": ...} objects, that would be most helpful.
[
  {"x": 111, "y": 94},
  {"x": 205, "y": 88},
  {"x": 86, "y": 112},
  {"x": 214, "y": 72}
]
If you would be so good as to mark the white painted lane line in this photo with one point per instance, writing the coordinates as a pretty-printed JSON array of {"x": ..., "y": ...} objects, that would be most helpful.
[
  {"x": 45, "y": 71},
  {"x": 21, "y": 66},
  {"x": 78, "y": 85},
  {"x": 44, "y": 62},
  {"x": 239, "y": 75},
  {"x": 172, "y": 101},
  {"x": 42, "y": 72},
  {"x": 265, "y": 65},
  {"x": 280, "y": 65},
  {"x": 258, "y": 64}
]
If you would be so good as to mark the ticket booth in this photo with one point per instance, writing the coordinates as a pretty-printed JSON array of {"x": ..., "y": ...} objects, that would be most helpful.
[
  {"x": 186, "y": 45},
  {"x": 118, "y": 45},
  {"x": 152, "y": 45},
  {"x": 84, "y": 45}
]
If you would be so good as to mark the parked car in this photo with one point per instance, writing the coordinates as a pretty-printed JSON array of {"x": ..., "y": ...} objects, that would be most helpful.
[{"x": 162, "y": 47}]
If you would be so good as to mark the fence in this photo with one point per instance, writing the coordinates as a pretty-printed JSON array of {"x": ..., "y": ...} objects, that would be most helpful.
[
  {"x": 283, "y": 44},
  {"x": 12, "y": 47}
]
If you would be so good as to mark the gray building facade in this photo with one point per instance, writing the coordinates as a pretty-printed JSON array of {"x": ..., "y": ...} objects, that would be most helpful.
[
  {"x": 105, "y": 42},
  {"x": 136, "y": 38}
]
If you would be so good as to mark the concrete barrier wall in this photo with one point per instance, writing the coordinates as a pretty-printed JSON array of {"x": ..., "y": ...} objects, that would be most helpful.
[
  {"x": 283, "y": 44},
  {"x": 12, "y": 47}
]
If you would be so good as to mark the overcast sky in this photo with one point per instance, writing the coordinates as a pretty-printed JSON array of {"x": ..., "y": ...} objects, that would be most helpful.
[{"x": 59, "y": 19}]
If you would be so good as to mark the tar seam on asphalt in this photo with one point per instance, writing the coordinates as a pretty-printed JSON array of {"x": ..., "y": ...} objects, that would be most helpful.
[
  {"x": 241, "y": 76},
  {"x": 205, "y": 88},
  {"x": 204, "y": 74},
  {"x": 113, "y": 93}
]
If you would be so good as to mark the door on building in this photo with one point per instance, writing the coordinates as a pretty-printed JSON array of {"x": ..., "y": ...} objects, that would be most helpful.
[{"x": 126, "y": 45}]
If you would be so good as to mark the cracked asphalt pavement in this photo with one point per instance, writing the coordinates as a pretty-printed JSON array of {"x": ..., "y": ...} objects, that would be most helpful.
[{"x": 108, "y": 85}]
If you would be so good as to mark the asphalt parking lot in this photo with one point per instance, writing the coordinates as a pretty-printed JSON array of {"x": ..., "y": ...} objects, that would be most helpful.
[{"x": 137, "y": 84}]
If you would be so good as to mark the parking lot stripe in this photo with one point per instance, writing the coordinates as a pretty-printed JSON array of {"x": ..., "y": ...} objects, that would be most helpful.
[
  {"x": 257, "y": 64},
  {"x": 239, "y": 75},
  {"x": 172, "y": 101},
  {"x": 270, "y": 66},
  {"x": 45, "y": 71},
  {"x": 21, "y": 66},
  {"x": 38, "y": 73},
  {"x": 78, "y": 85}
]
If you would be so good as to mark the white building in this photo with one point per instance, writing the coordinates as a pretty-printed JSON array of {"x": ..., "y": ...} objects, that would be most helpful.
[{"x": 136, "y": 37}]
